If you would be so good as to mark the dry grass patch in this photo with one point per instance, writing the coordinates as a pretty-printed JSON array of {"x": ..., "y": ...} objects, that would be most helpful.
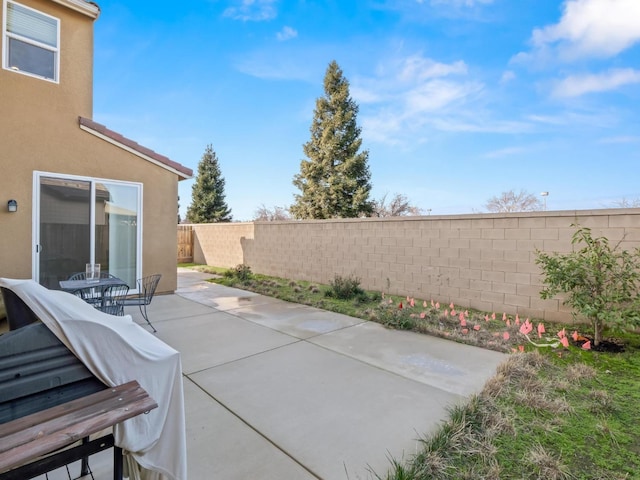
[
  {"x": 578, "y": 372},
  {"x": 546, "y": 465}
]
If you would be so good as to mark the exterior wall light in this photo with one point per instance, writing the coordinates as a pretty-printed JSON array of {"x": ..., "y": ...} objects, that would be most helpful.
[{"x": 12, "y": 205}]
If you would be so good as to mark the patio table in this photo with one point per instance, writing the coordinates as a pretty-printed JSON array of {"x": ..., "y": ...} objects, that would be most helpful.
[{"x": 96, "y": 287}]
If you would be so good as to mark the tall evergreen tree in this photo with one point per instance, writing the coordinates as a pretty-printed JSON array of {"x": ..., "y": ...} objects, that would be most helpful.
[
  {"x": 207, "y": 194},
  {"x": 334, "y": 181}
]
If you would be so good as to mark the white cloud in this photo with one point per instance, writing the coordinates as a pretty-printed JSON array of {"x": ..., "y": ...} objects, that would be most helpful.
[
  {"x": 576, "y": 85},
  {"x": 409, "y": 99},
  {"x": 588, "y": 28},
  {"x": 507, "y": 76},
  {"x": 417, "y": 68},
  {"x": 505, "y": 152},
  {"x": 271, "y": 67},
  {"x": 597, "y": 119},
  {"x": 620, "y": 139},
  {"x": 252, "y": 10},
  {"x": 458, "y": 3},
  {"x": 287, "y": 33},
  {"x": 405, "y": 77}
]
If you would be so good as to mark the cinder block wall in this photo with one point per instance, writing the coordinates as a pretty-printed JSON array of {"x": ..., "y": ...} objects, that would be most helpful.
[
  {"x": 482, "y": 261},
  {"x": 219, "y": 244}
]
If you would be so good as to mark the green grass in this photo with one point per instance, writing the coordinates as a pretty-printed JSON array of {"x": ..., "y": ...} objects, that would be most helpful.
[{"x": 548, "y": 413}]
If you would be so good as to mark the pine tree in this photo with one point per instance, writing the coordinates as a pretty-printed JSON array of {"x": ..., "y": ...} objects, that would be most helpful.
[
  {"x": 334, "y": 181},
  {"x": 207, "y": 194}
]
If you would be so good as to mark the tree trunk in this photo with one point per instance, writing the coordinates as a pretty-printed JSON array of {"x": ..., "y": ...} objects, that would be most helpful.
[{"x": 597, "y": 332}]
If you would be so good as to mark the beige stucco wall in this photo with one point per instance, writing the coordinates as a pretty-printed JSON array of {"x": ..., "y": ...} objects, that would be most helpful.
[
  {"x": 39, "y": 131},
  {"x": 482, "y": 261}
]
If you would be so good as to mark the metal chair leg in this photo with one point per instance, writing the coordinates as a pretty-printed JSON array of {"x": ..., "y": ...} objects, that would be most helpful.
[{"x": 143, "y": 311}]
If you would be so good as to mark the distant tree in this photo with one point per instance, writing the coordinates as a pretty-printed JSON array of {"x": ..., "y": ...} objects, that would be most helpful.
[
  {"x": 207, "y": 194},
  {"x": 511, "y": 201},
  {"x": 398, "y": 206},
  {"x": 264, "y": 214},
  {"x": 335, "y": 180},
  {"x": 627, "y": 203}
]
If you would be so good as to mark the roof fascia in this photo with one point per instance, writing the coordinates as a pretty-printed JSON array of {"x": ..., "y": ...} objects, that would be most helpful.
[{"x": 90, "y": 9}]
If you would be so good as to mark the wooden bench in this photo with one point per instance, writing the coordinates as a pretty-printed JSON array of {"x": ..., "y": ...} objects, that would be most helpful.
[{"x": 29, "y": 438}]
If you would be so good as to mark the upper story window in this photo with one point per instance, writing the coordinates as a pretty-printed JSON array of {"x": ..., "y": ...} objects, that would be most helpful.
[{"x": 31, "y": 41}]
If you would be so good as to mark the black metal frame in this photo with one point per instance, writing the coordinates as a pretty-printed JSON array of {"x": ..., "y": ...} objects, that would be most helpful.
[
  {"x": 65, "y": 457},
  {"x": 146, "y": 289}
]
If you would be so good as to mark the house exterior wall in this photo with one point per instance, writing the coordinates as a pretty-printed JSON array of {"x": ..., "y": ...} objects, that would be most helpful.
[
  {"x": 39, "y": 131},
  {"x": 486, "y": 262}
]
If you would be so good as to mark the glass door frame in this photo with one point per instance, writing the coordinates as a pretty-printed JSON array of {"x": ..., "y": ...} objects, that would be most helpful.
[{"x": 35, "y": 234}]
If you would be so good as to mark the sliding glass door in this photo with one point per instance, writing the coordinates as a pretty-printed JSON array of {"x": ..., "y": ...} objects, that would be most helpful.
[{"x": 84, "y": 220}]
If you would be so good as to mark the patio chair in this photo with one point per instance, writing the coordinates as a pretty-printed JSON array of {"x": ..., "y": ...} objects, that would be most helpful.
[
  {"x": 83, "y": 276},
  {"x": 146, "y": 289},
  {"x": 91, "y": 295},
  {"x": 113, "y": 299}
]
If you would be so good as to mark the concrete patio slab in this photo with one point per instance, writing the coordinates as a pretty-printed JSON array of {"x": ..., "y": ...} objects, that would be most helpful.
[
  {"x": 168, "y": 307},
  {"x": 275, "y": 390},
  {"x": 222, "y": 446},
  {"x": 216, "y": 338},
  {"x": 450, "y": 366},
  {"x": 296, "y": 320},
  {"x": 230, "y": 301},
  {"x": 335, "y": 415}
]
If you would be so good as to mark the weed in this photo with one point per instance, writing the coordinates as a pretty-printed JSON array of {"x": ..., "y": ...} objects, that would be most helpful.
[
  {"x": 241, "y": 272},
  {"x": 608, "y": 432},
  {"x": 579, "y": 372},
  {"x": 602, "y": 402},
  {"x": 548, "y": 466}
]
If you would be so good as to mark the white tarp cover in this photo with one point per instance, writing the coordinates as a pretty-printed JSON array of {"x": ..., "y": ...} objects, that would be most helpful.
[{"x": 117, "y": 350}]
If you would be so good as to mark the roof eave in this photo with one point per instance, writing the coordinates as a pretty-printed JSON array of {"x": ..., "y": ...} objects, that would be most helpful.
[
  {"x": 183, "y": 173},
  {"x": 90, "y": 9}
]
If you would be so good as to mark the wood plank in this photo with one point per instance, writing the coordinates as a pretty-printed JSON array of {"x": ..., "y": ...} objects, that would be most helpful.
[
  {"x": 37, "y": 418},
  {"x": 57, "y": 427}
]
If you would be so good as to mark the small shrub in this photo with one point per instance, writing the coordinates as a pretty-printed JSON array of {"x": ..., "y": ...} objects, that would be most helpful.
[
  {"x": 361, "y": 298},
  {"x": 601, "y": 283},
  {"x": 242, "y": 272},
  {"x": 344, "y": 288}
]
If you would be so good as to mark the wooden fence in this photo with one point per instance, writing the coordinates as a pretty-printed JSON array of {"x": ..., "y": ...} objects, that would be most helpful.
[{"x": 185, "y": 244}]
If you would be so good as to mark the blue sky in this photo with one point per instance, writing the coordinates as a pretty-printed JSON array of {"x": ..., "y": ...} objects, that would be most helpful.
[{"x": 459, "y": 99}]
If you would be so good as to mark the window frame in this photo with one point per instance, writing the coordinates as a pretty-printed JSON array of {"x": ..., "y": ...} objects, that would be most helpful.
[
  {"x": 6, "y": 35},
  {"x": 35, "y": 231}
]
